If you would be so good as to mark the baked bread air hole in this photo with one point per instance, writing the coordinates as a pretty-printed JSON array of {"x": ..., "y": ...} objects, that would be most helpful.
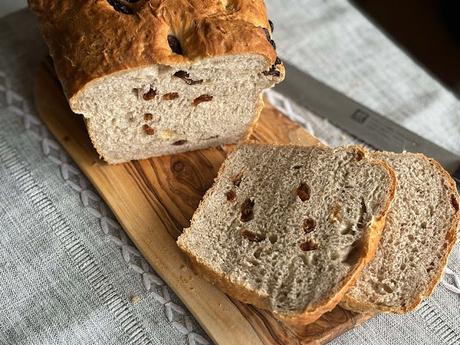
[
  {"x": 236, "y": 179},
  {"x": 230, "y": 5},
  {"x": 179, "y": 142}
]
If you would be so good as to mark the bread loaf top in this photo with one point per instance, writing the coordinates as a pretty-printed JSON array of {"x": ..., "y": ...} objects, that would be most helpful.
[{"x": 89, "y": 39}]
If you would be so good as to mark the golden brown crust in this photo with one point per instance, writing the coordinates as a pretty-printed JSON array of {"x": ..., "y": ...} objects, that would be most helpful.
[
  {"x": 353, "y": 304},
  {"x": 89, "y": 39},
  {"x": 242, "y": 293},
  {"x": 223, "y": 283},
  {"x": 451, "y": 236}
]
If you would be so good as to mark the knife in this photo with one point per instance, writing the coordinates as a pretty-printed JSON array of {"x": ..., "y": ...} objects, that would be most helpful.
[{"x": 360, "y": 121}]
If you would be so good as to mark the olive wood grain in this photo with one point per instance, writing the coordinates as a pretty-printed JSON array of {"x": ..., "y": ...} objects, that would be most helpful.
[{"x": 154, "y": 199}]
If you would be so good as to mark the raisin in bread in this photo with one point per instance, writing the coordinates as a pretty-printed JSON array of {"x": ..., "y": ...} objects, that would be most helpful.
[
  {"x": 161, "y": 76},
  {"x": 289, "y": 228},
  {"x": 420, "y": 230}
]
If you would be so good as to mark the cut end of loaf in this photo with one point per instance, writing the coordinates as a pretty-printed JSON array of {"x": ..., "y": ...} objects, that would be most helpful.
[
  {"x": 419, "y": 233},
  {"x": 159, "y": 110},
  {"x": 289, "y": 228}
]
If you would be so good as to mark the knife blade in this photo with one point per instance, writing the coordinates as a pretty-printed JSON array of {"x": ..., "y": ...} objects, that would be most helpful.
[{"x": 360, "y": 121}]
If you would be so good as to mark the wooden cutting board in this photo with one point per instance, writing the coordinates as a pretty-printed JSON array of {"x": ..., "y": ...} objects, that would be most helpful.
[{"x": 154, "y": 200}]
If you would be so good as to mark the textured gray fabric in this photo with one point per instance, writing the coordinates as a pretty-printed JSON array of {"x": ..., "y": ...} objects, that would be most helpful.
[
  {"x": 68, "y": 273},
  {"x": 335, "y": 43}
]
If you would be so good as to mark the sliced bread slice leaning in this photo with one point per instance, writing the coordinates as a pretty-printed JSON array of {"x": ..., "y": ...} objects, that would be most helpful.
[
  {"x": 419, "y": 233},
  {"x": 288, "y": 228}
]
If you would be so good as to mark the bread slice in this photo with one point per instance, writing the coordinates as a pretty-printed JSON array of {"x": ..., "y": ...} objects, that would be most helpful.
[
  {"x": 420, "y": 230},
  {"x": 290, "y": 228},
  {"x": 160, "y": 77}
]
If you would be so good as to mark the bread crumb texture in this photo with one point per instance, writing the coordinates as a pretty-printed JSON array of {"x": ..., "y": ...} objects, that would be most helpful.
[
  {"x": 296, "y": 228},
  {"x": 419, "y": 234}
]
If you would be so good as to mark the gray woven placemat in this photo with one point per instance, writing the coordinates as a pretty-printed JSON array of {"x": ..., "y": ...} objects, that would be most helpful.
[{"x": 70, "y": 275}]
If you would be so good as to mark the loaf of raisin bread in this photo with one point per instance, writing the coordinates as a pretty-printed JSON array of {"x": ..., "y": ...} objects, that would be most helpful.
[
  {"x": 288, "y": 228},
  {"x": 156, "y": 77},
  {"x": 420, "y": 231}
]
